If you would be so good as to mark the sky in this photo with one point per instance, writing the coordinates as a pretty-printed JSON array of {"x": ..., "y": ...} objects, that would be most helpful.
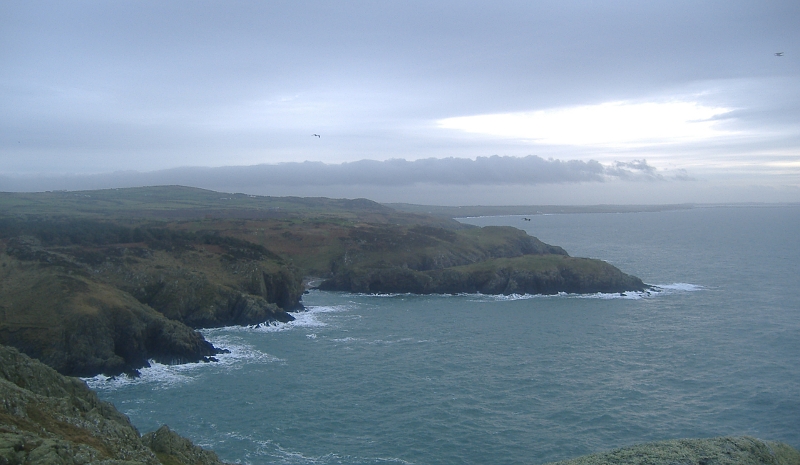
[{"x": 435, "y": 102}]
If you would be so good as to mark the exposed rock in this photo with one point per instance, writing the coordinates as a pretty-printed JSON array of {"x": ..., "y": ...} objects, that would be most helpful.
[
  {"x": 47, "y": 418},
  {"x": 52, "y": 419},
  {"x": 531, "y": 274},
  {"x": 77, "y": 299},
  {"x": 714, "y": 451},
  {"x": 173, "y": 448},
  {"x": 489, "y": 260},
  {"x": 204, "y": 292},
  {"x": 81, "y": 327}
]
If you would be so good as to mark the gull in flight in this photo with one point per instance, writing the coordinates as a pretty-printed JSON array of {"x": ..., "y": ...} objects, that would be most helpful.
[
  {"x": 778, "y": 54},
  {"x": 315, "y": 135}
]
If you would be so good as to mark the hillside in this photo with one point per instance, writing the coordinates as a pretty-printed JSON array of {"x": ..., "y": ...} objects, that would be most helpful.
[{"x": 47, "y": 418}]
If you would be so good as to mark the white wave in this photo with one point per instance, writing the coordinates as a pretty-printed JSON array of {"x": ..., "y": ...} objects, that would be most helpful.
[
  {"x": 679, "y": 287},
  {"x": 161, "y": 376},
  {"x": 502, "y": 297},
  {"x": 280, "y": 454},
  {"x": 307, "y": 318},
  {"x": 157, "y": 373},
  {"x": 383, "y": 295},
  {"x": 653, "y": 291}
]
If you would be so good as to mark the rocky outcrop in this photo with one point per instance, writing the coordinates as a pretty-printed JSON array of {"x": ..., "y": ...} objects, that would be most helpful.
[
  {"x": 205, "y": 291},
  {"x": 83, "y": 303},
  {"x": 170, "y": 448},
  {"x": 489, "y": 260},
  {"x": 48, "y": 418},
  {"x": 714, "y": 451},
  {"x": 81, "y": 327},
  {"x": 532, "y": 274}
]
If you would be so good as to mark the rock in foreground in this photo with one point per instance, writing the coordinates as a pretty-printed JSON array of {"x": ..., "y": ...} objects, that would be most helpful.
[
  {"x": 529, "y": 274},
  {"x": 47, "y": 418},
  {"x": 714, "y": 451}
]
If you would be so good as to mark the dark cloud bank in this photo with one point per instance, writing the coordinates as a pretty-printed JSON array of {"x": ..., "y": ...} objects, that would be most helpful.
[{"x": 494, "y": 170}]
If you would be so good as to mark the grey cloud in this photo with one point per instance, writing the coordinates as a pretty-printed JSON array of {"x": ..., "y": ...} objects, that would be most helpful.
[
  {"x": 494, "y": 170},
  {"x": 90, "y": 87}
]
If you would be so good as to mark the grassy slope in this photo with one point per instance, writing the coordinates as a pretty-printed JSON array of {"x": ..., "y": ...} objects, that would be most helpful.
[{"x": 319, "y": 237}]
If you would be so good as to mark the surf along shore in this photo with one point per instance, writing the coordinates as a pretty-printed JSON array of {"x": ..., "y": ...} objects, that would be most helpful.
[{"x": 105, "y": 281}]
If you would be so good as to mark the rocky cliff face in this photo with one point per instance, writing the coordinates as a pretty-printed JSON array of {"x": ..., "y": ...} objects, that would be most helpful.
[
  {"x": 81, "y": 327},
  {"x": 48, "y": 418},
  {"x": 491, "y": 260},
  {"x": 203, "y": 289},
  {"x": 85, "y": 303},
  {"x": 714, "y": 451}
]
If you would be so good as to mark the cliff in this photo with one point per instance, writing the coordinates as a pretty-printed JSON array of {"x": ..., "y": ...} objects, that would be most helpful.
[
  {"x": 103, "y": 281},
  {"x": 545, "y": 274},
  {"x": 91, "y": 297},
  {"x": 49, "y": 418},
  {"x": 489, "y": 260}
]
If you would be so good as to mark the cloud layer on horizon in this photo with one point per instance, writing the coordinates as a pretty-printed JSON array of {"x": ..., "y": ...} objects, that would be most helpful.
[
  {"x": 494, "y": 170},
  {"x": 101, "y": 87}
]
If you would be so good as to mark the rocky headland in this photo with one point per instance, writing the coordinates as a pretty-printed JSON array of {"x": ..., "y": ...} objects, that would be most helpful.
[
  {"x": 94, "y": 297},
  {"x": 105, "y": 281},
  {"x": 489, "y": 260},
  {"x": 47, "y": 418}
]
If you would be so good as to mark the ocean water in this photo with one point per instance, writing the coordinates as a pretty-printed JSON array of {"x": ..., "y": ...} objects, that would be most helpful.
[{"x": 359, "y": 379}]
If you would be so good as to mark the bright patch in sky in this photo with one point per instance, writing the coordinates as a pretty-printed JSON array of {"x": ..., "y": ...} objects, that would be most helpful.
[{"x": 612, "y": 124}]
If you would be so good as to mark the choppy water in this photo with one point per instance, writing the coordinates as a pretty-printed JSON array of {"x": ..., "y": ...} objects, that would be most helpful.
[{"x": 519, "y": 379}]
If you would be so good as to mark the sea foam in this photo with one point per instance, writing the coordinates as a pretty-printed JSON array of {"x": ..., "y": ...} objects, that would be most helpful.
[{"x": 161, "y": 376}]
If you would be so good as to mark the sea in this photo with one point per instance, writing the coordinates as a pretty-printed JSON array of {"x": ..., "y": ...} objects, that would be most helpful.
[{"x": 712, "y": 349}]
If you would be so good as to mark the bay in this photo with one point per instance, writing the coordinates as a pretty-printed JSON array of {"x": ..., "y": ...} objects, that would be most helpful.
[{"x": 514, "y": 379}]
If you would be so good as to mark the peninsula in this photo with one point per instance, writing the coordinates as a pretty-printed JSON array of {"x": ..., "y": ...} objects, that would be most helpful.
[{"x": 104, "y": 281}]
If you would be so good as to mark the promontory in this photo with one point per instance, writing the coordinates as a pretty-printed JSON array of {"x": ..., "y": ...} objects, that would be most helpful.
[{"x": 105, "y": 281}]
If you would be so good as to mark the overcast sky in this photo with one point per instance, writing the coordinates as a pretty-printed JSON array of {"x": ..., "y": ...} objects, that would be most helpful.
[{"x": 505, "y": 102}]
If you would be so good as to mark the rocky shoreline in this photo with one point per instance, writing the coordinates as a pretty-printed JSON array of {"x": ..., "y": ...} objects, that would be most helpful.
[
  {"x": 546, "y": 274},
  {"x": 93, "y": 296},
  {"x": 107, "y": 284},
  {"x": 97, "y": 298},
  {"x": 48, "y": 418}
]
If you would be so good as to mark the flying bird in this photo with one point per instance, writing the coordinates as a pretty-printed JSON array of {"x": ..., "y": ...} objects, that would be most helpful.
[
  {"x": 778, "y": 54},
  {"x": 315, "y": 135}
]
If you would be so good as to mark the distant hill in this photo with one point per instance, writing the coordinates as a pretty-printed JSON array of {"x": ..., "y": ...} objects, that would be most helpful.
[{"x": 528, "y": 210}]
